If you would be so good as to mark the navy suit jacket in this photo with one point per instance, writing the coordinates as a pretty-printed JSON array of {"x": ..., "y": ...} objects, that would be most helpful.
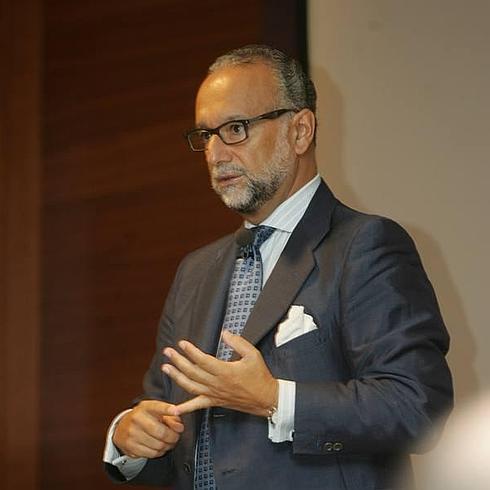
[{"x": 371, "y": 379}]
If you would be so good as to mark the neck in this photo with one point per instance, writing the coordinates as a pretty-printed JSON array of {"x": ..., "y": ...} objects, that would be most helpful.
[{"x": 305, "y": 172}]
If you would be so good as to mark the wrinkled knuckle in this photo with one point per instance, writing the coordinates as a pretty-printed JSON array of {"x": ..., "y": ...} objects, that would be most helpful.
[
  {"x": 141, "y": 407},
  {"x": 135, "y": 417},
  {"x": 161, "y": 433},
  {"x": 171, "y": 438},
  {"x": 208, "y": 391},
  {"x": 131, "y": 432},
  {"x": 167, "y": 436},
  {"x": 194, "y": 390},
  {"x": 154, "y": 453},
  {"x": 160, "y": 446},
  {"x": 170, "y": 445}
]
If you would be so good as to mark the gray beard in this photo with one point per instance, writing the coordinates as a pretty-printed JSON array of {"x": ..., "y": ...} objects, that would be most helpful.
[
  {"x": 257, "y": 194},
  {"x": 258, "y": 189}
]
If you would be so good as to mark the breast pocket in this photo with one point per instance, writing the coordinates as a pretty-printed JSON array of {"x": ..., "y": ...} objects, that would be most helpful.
[{"x": 305, "y": 358}]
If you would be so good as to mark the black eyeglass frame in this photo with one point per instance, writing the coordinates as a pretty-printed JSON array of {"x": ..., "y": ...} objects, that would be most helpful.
[{"x": 245, "y": 122}]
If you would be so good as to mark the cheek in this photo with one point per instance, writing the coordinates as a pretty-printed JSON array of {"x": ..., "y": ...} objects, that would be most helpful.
[
  {"x": 268, "y": 142},
  {"x": 258, "y": 155}
]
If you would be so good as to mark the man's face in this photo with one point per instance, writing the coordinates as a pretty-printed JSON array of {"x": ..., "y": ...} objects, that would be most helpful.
[{"x": 255, "y": 172}]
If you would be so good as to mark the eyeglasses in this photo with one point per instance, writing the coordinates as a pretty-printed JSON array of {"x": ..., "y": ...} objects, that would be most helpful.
[{"x": 230, "y": 133}]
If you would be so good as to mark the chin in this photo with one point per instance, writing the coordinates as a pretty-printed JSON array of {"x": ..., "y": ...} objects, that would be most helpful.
[
  {"x": 244, "y": 207},
  {"x": 241, "y": 206}
]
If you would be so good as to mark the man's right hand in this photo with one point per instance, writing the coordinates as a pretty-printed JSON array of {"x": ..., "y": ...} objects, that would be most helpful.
[{"x": 148, "y": 431}]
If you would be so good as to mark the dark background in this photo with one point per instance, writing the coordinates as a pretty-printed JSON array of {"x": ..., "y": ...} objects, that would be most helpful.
[{"x": 99, "y": 200}]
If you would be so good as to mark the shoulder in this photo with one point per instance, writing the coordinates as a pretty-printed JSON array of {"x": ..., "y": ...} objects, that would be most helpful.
[
  {"x": 345, "y": 224},
  {"x": 196, "y": 265},
  {"x": 355, "y": 225},
  {"x": 370, "y": 246},
  {"x": 207, "y": 255}
]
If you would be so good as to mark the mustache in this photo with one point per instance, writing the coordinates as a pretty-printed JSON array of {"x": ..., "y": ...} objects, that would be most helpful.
[{"x": 227, "y": 170}]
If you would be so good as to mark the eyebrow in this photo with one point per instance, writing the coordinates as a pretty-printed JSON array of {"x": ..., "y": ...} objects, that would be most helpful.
[{"x": 233, "y": 117}]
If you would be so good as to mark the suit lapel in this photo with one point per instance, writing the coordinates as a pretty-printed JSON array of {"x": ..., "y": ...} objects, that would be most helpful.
[
  {"x": 207, "y": 316},
  {"x": 293, "y": 267}
]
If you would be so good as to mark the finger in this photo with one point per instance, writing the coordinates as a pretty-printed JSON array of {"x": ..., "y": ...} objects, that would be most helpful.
[
  {"x": 188, "y": 367},
  {"x": 158, "y": 430},
  {"x": 197, "y": 403},
  {"x": 142, "y": 451},
  {"x": 167, "y": 437},
  {"x": 157, "y": 408},
  {"x": 240, "y": 345},
  {"x": 134, "y": 438},
  {"x": 147, "y": 425},
  {"x": 174, "y": 423},
  {"x": 189, "y": 385},
  {"x": 207, "y": 362}
]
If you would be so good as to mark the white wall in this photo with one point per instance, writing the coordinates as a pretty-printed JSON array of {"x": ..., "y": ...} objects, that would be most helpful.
[{"x": 404, "y": 114}]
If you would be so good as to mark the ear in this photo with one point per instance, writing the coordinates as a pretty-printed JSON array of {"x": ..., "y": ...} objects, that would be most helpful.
[{"x": 304, "y": 125}]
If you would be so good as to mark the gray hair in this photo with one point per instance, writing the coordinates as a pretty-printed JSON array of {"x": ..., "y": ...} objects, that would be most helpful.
[{"x": 296, "y": 90}]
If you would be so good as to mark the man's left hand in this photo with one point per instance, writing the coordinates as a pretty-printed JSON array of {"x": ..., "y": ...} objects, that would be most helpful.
[{"x": 246, "y": 385}]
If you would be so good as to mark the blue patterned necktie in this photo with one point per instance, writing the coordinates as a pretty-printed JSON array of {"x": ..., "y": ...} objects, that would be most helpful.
[{"x": 245, "y": 287}]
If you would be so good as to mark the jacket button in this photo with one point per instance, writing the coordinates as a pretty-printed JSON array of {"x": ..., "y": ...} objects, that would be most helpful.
[
  {"x": 338, "y": 446},
  {"x": 187, "y": 468},
  {"x": 328, "y": 447}
]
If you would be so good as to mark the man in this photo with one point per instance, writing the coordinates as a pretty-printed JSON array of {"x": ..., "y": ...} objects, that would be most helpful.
[{"x": 329, "y": 376}]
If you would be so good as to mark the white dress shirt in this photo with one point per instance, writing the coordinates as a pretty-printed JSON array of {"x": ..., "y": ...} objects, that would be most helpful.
[{"x": 284, "y": 219}]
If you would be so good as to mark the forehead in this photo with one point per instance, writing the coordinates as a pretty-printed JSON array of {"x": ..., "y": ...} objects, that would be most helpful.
[{"x": 235, "y": 92}]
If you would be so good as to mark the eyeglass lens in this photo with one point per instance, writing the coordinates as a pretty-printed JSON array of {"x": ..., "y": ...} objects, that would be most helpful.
[{"x": 230, "y": 133}]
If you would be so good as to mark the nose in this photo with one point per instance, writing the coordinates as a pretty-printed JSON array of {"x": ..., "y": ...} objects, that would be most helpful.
[{"x": 217, "y": 151}]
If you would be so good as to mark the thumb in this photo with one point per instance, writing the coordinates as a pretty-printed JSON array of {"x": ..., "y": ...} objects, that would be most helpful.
[{"x": 240, "y": 345}]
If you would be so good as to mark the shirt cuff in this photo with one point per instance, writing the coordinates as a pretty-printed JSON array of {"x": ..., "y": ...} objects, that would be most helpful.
[
  {"x": 283, "y": 428},
  {"x": 128, "y": 467}
]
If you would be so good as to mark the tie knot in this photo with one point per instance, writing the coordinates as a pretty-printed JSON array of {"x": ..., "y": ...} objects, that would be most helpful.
[{"x": 261, "y": 234}]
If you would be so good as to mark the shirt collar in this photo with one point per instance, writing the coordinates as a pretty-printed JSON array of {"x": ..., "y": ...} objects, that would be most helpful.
[{"x": 288, "y": 214}]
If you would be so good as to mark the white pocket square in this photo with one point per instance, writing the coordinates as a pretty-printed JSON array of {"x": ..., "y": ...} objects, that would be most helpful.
[{"x": 297, "y": 323}]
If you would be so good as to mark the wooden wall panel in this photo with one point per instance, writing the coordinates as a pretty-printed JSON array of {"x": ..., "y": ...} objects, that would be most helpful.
[
  {"x": 123, "y": 201},
  {"x": 20, "y": 47}
]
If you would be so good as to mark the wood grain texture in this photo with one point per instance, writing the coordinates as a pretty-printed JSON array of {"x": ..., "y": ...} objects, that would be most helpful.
[
  {"x": 123, "y": 201},
  {"x": 20, "y": 166}
]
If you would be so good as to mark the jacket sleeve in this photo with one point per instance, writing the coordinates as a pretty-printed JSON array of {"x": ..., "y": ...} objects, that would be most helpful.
[
  {"x": 394, "y": 344},
  {"x": 157, "y": 471}
]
